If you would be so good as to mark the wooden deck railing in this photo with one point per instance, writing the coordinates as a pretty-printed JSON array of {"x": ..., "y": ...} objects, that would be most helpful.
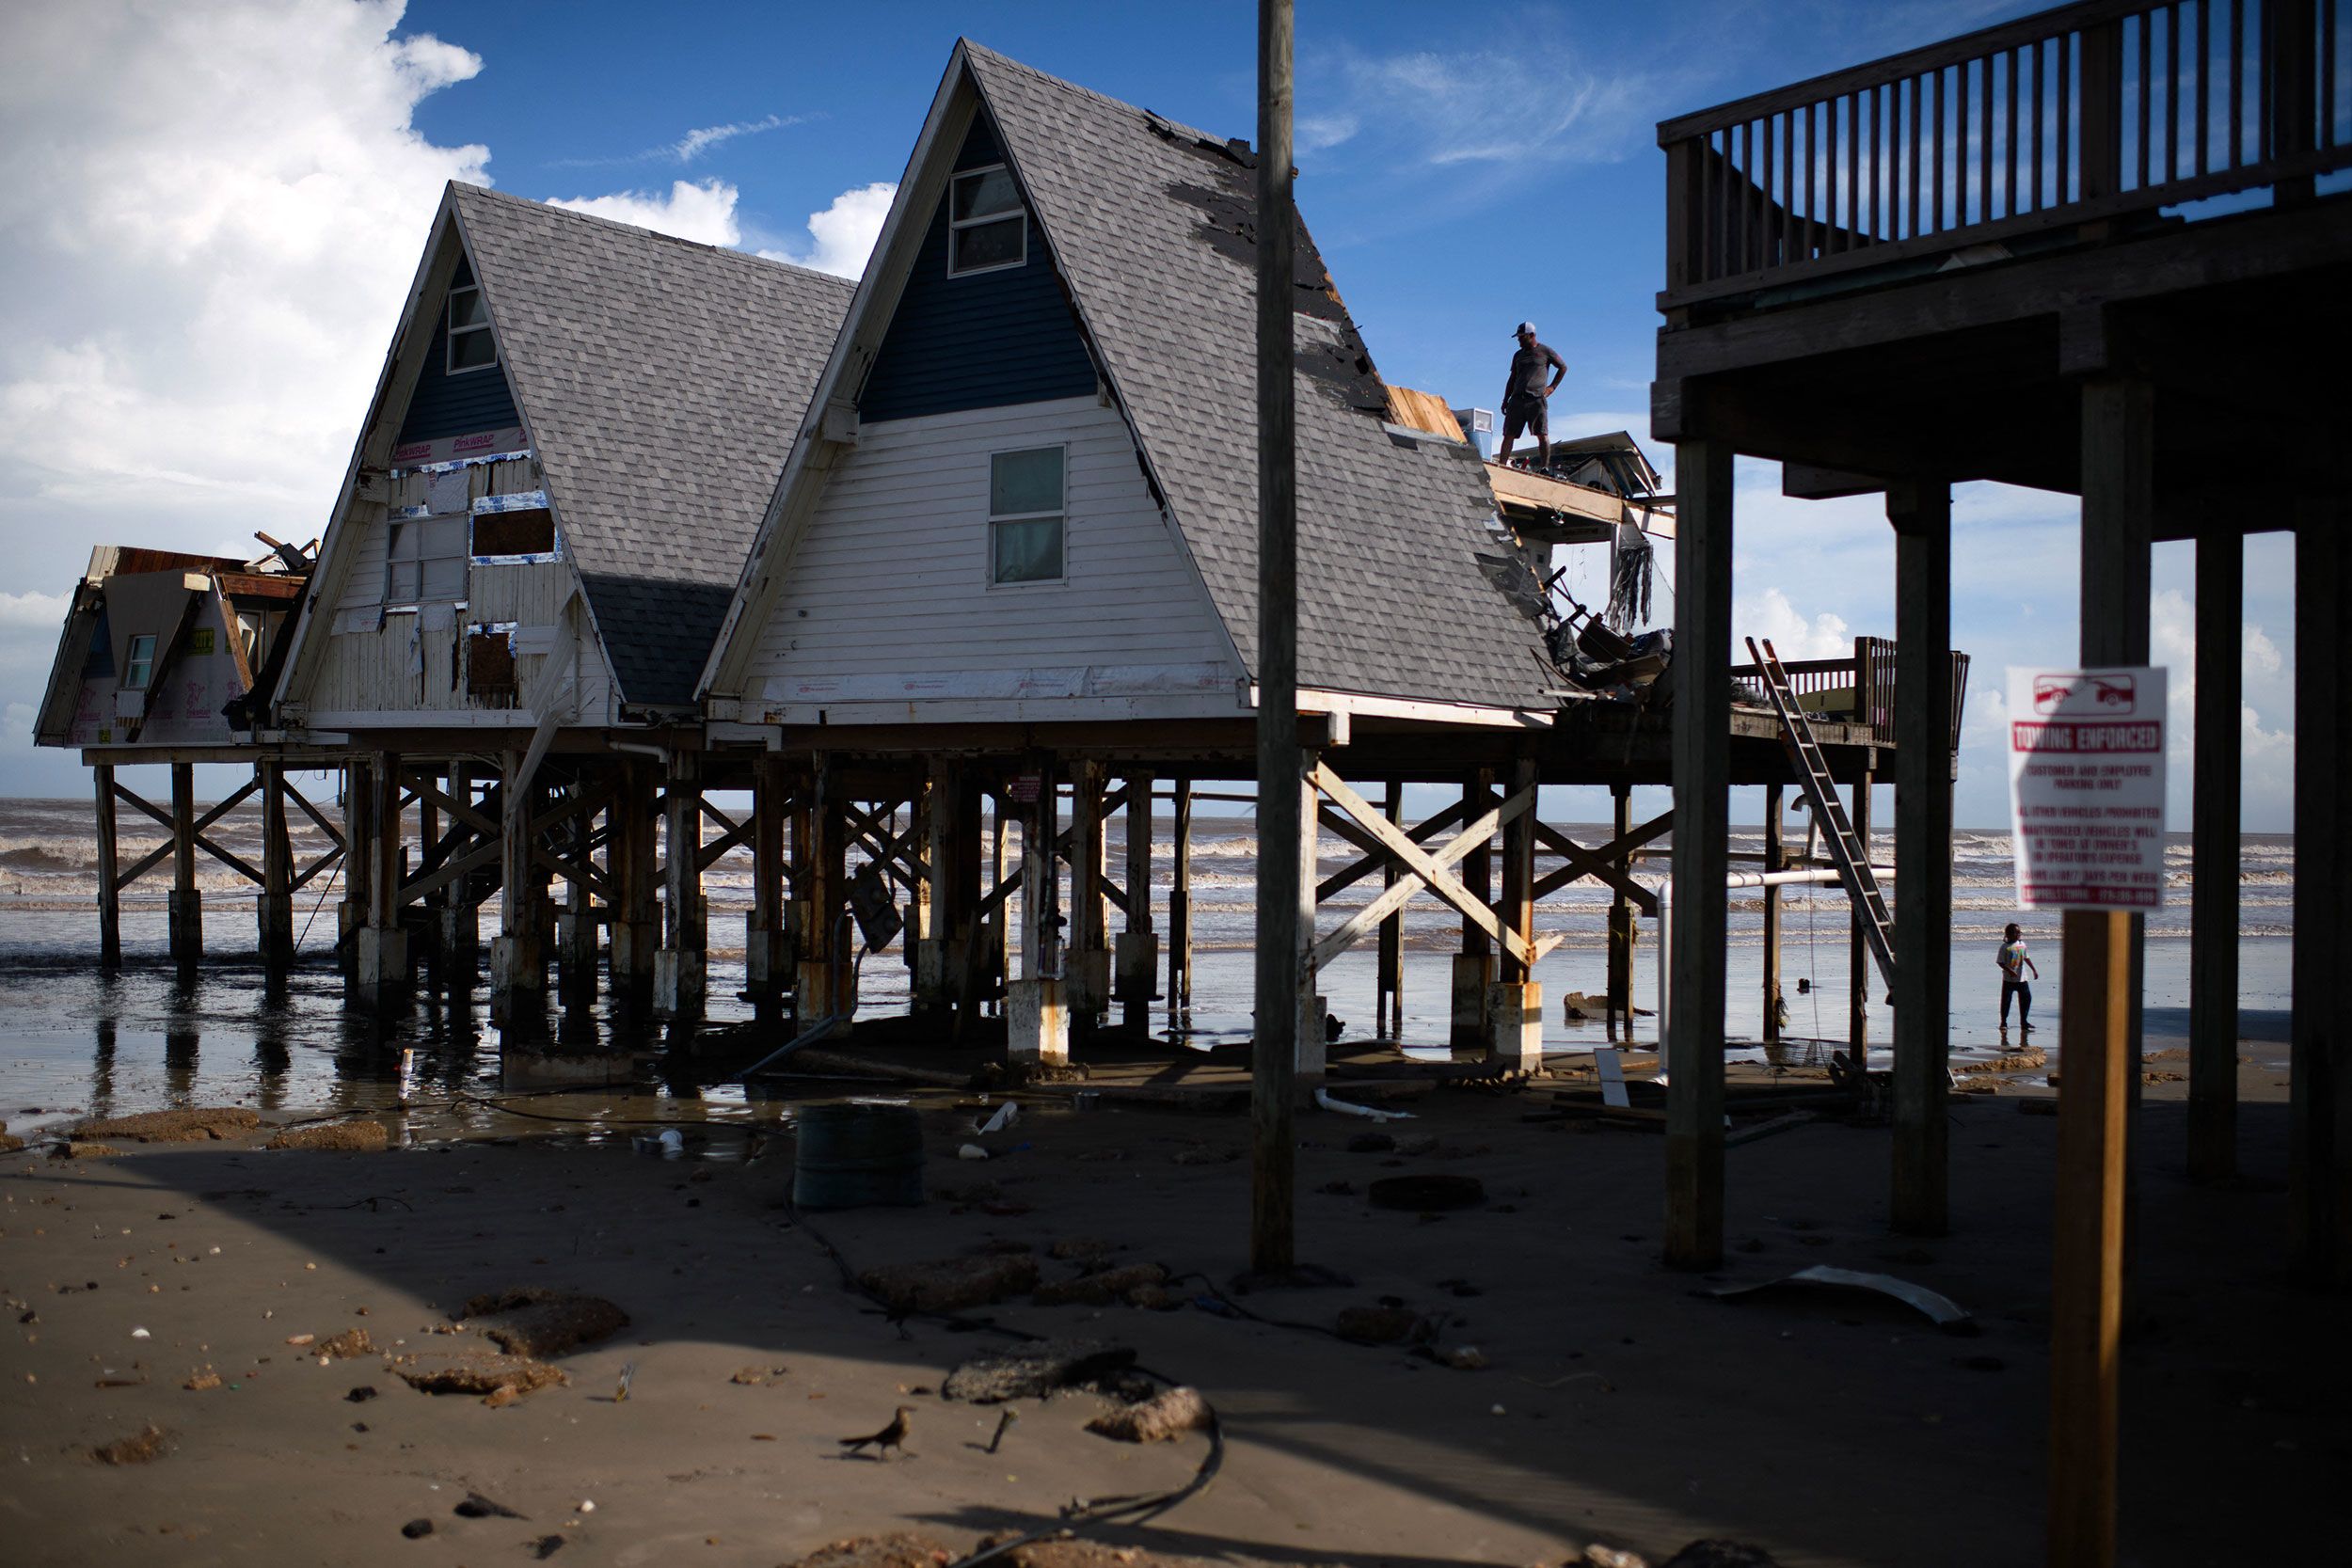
[
  {"x": 2089, "y": 111},
  {"x": 1859, "y": 689}
]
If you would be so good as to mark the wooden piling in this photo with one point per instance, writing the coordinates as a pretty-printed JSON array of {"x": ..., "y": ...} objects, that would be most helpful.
[
  {"x": 2097, "y": 1017},
  {"x": 109, "y": 868},
  {"x": 767, "y": 959},
  {"x": 1514, "y": 1009},
  {"x": 457, "y": 919},
  {"x": 1693, "y": 1049},
  {"x": 187, "y": 904},
  {"x": 1622, "y": 930},
  {"x": 1088, "y": 959},
  {"x": 2319, "y": 1140},
  {"x": 1138, "y": 958},
  {"x": 2215, "y": 810},
  {"x": 517, "y": 960},
  {"x": 1776, "y": 853},
  {"x": 1036, "y": 1018},
  {"x": 1274, "y": 1056},
  {"x": 1390, "y": 994},
  {"x": 358, "y": 866},
  {"x": 1180, "y": 896},
  {"x": 1922, "y": 516},
  {"x": 820, "y": 883},
  {"x": 576, "y": 927},
  {"x": 1861, "y": 969},
  {"x": 1474, "y": 965},
  {"x": 678, "y": 969},
  {"x": 273, "y": 908},
  {"x": 635, "y": 859}
]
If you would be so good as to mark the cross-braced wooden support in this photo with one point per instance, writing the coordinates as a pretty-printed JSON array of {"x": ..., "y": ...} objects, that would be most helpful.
[
  {"x": 1389, "y": 983},
  {"x": 1385, "y": 845},
  {"x": 1474, "y": 965}
]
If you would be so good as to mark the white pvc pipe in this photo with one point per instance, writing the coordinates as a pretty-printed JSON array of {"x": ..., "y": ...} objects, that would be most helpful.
[{"x": 1665, "y": 890}]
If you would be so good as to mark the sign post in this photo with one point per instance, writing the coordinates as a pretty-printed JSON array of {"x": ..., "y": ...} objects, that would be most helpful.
[
  {"x": 2086, "y": 787},
  {"x": 2086, "y": 769}
]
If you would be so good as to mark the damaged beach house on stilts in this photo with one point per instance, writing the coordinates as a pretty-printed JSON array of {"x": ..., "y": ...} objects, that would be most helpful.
[{"x": 966, "y": 560}]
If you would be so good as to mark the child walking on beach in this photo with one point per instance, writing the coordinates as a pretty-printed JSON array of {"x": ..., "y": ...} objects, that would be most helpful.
[{"x": 2013, "y": 964}]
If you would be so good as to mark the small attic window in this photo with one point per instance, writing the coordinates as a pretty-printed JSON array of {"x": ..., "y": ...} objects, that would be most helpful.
[
  {"x": 986, "y": 229},
  {"x": 141, "y": 668},
  {"x": 470, "y": 345}
]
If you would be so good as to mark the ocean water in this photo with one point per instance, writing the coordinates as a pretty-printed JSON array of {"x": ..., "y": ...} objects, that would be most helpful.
[{"x": 74, "y": 1037}]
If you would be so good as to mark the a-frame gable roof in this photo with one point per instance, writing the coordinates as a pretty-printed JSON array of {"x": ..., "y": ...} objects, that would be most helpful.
[
  {"x": 1153, "y": 226},
  {"x": 662, "y": 383}
]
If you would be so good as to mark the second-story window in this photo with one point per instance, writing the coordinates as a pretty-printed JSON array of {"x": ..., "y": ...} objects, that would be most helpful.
[
  {"x": 1024, "y": 515},
  {"x": 141, "y": 668},
  {"x": 985, "y": 227},
  {"x": 470, "y": 345},
  {"x": 426, "y": 560}
]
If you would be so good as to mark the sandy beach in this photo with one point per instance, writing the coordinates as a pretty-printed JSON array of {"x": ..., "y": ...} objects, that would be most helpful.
[{"x": 1618, "y": 1403}]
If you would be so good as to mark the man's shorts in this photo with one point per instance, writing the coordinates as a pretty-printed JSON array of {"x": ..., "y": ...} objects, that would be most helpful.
[{"x": 1531, "y": 415}]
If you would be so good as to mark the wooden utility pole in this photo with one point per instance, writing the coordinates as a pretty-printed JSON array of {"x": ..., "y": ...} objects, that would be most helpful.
[{"x": 1274, "y": 1070}]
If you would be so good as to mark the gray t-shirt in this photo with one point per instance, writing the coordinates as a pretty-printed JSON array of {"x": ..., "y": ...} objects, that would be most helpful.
[{"x": 1527, "y": 377}]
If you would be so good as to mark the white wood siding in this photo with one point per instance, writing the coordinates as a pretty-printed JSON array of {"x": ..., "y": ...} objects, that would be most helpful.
[
  {"x": 888, "y": 591},
  {"x": 386, "y": 667}
]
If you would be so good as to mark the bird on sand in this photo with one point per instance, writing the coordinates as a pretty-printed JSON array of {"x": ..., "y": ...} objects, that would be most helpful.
[{"x": 892, "y": 1437}]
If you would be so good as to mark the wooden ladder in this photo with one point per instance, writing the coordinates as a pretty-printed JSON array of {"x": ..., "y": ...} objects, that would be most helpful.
[{"x": 1853, "y": 865}]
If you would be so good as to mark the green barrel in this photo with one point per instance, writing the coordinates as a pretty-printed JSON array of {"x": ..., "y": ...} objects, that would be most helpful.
[{"x": 857, "y": 1156}]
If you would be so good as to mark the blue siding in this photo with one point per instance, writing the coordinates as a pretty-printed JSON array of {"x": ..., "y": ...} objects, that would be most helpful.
[
  {"x": 985, "y": 342},
  {"x": 463, "y": 405}
]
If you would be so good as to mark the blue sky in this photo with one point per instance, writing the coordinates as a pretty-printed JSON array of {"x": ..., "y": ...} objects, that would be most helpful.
[{"x": 211, "y": 213}]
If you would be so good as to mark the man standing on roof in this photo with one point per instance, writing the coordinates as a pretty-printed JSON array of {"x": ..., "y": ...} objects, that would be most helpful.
[{"x": 1524, "y": 395}]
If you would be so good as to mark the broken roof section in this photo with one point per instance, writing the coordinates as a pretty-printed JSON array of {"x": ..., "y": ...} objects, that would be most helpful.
[
  {"x": 1152, "y": 226},
  {"x": 660, "y": 382},
  {"x": 657, "y": 381}
]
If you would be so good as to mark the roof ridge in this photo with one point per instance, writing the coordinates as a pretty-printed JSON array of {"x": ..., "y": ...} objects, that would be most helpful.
[
  {"x": 999, "y": 57},
  {"x": 476, "y": 192}
]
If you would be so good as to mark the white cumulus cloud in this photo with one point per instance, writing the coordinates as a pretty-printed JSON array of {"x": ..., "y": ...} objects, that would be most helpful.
[
  {"x": 1771, "y": 617},
  {"x": 701, "y": 211},
  {"x": 842, "y": 236}
]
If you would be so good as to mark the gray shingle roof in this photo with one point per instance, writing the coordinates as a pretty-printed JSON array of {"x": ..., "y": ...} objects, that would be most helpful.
[
  {"x": 1154, "y": 225},
  {"x": 663, "y": 382}
]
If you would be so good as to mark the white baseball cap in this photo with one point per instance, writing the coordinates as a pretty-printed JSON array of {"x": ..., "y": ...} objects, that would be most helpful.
[{"x": 1528, "y": 328}]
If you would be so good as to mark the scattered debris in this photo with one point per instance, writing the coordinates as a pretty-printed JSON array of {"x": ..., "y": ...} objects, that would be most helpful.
[
  {"x": 1720, "y": 1554},
  {"x": 361, "y": 1394},
  {"x": 149, "y": 1443},
  {"x": 1598, "y": 1556},
  {"x": 545, "y": 1547},
  {"x": 71, "y": 1149},
  {"x": 476, "y": 1506},
  {"x": 1103, "y": 1288},
  {"x": 950, "y": 1284},
  {"x": 620, "y": 1388},
  {"x": 203, "y": 1382},
  {"x": 1004, "y": 1424},
  {"x": 1427, "y": 1194},
  {"x": 754, "y": 1376},
  {"x": 1324, "y": 1099},
  {"x": 358, "y": 1137},
  {"x": 481, "y": 1372},
  {"x": 901, "y": 1551},
  {"x": 416, "y": 1530},
  {"x": 1036, "y": 1370},
  {"x": 499, "y": 1399},
  {"x": 971, "y": 1151},
  {"x": 1464, "y": 1358},
  {"x": 1159, "y": 1419},
  {"x": 195, "y": 1124},
  {"x": 1379, "y": 1325},
  {"x": 1938, "y": 1310},
  {"x": 534, "y": 1322}
]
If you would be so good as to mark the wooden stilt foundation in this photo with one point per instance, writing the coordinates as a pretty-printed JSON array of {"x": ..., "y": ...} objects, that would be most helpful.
[
  {"x": 1137, "y": 954},
  {"x": 382, "y": 961},
  {"x": 679, "y": 969},
  {"x": 187, "y": 904},
  {"x": 273, "y": 913},
  {"x": 1922, "y": 516},
  {"x": 2214, "y": 802},
  {"x": 1776, "y": 853},
  {"x": 1474, "y": 965},
  {"x": 1861, "y": 970},
  {"x": 1087, "y": 961},
  {"x": 1693, "y": 1048},
  {"x": 519, "y": 976},
  {"x": 1514, "y": 1008},
  {"x": 2319, "y": 1142},
  {"x": 1622, "y": 930},
  {"x": 1180, "y": 896},
  {"x": 457, "y": 916},
  {"x": 1037, "y": 1030},
  {"x": 767, "y": 938},
  {"x": 576, "y": 927},
  {"x": 819, "y": 878},
  {"x": 109, "y": 868},
  {"x": 635, "y": 859}
]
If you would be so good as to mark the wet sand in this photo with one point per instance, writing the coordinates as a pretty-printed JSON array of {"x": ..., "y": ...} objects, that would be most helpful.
[{"x": 1618, "y": 1404}]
